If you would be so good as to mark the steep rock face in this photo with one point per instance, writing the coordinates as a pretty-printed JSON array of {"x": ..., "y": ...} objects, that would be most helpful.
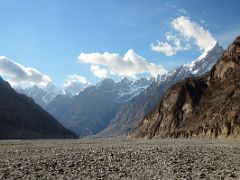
[
  {"x": 21, "y": 118},
  {"x": 132, "y": 112},
  {"x": 208, "y": 106}
]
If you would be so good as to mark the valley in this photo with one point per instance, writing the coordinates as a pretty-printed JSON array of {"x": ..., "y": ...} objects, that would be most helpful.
[{"x": 105, "y": 90}]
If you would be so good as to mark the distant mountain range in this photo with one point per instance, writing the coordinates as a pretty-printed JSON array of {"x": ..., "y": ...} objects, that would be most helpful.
[
  {"x": 90, "y": 111},
  {"x": 44, "y": 95},
  {"x": 22, "y": 118},
  {"x": 115, "y": 108},
  {"x": 205, "y": 106},
  {"x": 41, "y": 96}
]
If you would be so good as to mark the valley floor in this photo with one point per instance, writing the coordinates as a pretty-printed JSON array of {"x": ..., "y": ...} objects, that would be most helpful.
[{"x": 120, "y": 159}]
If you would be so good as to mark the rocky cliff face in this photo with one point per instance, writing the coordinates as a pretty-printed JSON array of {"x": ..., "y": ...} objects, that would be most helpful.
[
  {"x": 132, "y": 112},
  {"x": 207, "y": 106},
  {"x": 21, "y": 118}
]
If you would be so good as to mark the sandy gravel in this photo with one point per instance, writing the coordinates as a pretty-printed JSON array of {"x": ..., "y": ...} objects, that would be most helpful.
[{"x": 120, "y": 159}]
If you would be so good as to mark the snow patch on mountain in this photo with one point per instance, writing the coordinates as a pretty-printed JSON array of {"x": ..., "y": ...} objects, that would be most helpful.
[
  {"x": 197, "y": 67},
  {"x": 41, "y": 95}
]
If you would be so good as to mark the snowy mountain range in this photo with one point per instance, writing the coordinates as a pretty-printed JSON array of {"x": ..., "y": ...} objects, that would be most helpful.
[
  {"x": 44, "y": 95},
  {"x": 197, "y": 67},
  {"x": 125, "y": 89},
  {"x": 112, "y": 108},
  {"x": 90, "y": 111},
  {"x": 41, "y": 95}
]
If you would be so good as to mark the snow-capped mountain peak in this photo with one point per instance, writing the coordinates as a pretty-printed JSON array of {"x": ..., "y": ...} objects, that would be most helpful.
[
  {"x": 197, "y": 67},
  {"x": 74, "y": 88},
  {"x": 129, "y": 88},
  {"x": 41, "y": 95},
  {"x": 206, "y": 60}
]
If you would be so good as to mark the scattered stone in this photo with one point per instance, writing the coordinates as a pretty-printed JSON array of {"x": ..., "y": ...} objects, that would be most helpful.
[{"x": 120, "y": 159}]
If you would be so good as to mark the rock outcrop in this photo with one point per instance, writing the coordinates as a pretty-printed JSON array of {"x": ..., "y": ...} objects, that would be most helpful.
[{"x": 207, "y": 106}]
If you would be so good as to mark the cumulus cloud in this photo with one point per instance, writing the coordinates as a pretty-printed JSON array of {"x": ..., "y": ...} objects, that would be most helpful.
[
  {"x": 74, "y": 78},
  {"x": 172, "y": 46},
  {"x": 19, "y": 75},
  {"x": 164, "y": 47},
  {"x": 74, "y": 84},
  {"x": 99, "y": 72},
  {"x": 184, "y": 31},
  {"x": 189, "y": 29},
  {"x": 131, "y": 64}
]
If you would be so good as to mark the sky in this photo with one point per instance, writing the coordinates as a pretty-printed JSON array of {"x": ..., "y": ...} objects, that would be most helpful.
[{"x": 62, "y": 41}]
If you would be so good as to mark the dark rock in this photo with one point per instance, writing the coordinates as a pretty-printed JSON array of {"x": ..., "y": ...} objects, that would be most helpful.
[{"x": 22, "y": 118}]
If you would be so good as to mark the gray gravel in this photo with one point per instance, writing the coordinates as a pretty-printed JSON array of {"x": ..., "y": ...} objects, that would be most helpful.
[{"x": 120, "y": 159}]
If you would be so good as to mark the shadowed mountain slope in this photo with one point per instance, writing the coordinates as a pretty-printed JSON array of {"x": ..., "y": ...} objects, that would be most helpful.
[{"x": 22, "y": 118}]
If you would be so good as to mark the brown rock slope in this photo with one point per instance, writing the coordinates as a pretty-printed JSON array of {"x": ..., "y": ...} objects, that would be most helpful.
[{"x": 207, "y": 106}]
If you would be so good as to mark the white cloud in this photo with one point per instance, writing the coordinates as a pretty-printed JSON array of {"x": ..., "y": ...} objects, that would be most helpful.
[
  {"x": 164, "y": 47},
  {"x": 99, "y": 72},
  {"x": 129, "y": 65},
  {"x": 74, "y": 78},
  {"x": 184, "y": 30},
  {"x": 191, "y": 30},
  {"x": 74, "y": 84},
  {"x": 19, "y": 75},
  {"x": 177, "y": 41},
  {"x": 172, "y": 46}
]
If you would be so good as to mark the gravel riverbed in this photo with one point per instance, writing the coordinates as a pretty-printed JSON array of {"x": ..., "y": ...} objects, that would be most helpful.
[{"x": 120, "y": 159}]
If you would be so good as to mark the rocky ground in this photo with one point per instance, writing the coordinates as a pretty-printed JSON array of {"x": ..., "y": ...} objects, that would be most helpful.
[{"x": 120, "y": 159}]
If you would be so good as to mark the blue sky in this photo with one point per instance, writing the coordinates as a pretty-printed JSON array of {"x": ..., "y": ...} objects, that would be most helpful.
[{"x": 49, "y": 35}]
